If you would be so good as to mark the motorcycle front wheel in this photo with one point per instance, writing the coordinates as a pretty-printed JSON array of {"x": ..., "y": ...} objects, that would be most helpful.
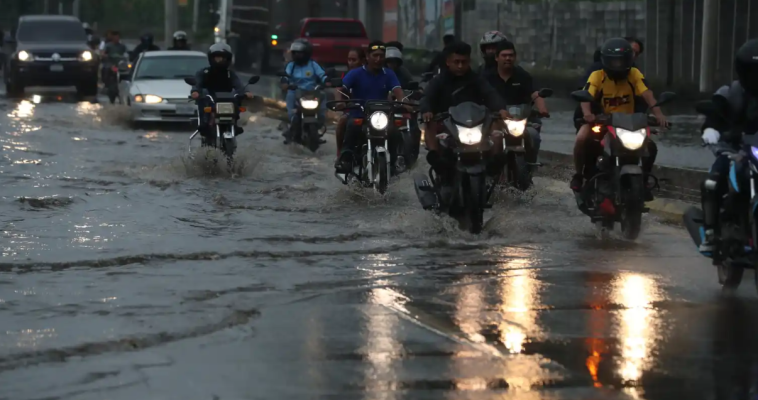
[
  {"x": 313, "y": 138},
  {"x": 381, "y": 172},
  {"x": 631, "y": 212},
  {"x": 475, "y": 203}
]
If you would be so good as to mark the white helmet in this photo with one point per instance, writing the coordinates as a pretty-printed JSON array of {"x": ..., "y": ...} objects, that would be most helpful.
[
  {"x": 393, "y": 52},
  {"x": 491, "y": 37}
]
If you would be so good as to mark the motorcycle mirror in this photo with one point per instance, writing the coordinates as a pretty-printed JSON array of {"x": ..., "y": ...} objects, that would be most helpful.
[
  {"x": 253, "y": 80},
  {"x": 705, "y": 107},
  {"x": 722, "y": 105},
  {"x": 545, "y": 93},
  {"x": 666, "y": 97},
  {"x": 190, "y": 81},
  {"x": 336, "y": 82},
  {"x": 582, "y": 96},
  {"x": 412, "y": 86}
]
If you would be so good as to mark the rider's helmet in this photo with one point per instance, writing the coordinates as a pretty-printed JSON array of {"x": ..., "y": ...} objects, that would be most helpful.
[
  {"x": 746, "y": 64},
  {"x": 180, "y": 39},
  {"x": 220, "y": 49},
  {"x": 490, "y": 39},
  {"x": 617, "y": 57},
  {"x": 300, "y": 50},
  {"x": 147, "y": 39},
  {"x": 394, "y": 56}
]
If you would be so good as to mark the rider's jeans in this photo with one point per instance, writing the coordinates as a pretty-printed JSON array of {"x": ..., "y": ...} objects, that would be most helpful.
[{"x": 292, "y": 107}]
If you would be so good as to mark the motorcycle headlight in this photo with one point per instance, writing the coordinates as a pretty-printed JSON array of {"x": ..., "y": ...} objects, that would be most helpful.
[
  {"x": 309, "y": 104},
  {"x": 153, "y": 99},
  {"x": 225, "y": 108},
  {"x": 379, "y": 120},
  {"x": 24, "y": 56},
  {"x": 469, "y": 135},
  {"x": 516, "y": 128},
  {"x": 632, "y": 140},
  {"x": 85, "y": 56}
]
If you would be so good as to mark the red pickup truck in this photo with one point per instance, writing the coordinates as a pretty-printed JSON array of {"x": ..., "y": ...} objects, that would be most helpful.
[{"x": 332, "y": 39}]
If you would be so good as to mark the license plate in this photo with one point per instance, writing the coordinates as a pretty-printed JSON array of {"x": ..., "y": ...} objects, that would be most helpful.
[
  {"x": 56, "y": 68},
  {"x": 185, "y": 109},
  {"x": 228, "y": 135}
]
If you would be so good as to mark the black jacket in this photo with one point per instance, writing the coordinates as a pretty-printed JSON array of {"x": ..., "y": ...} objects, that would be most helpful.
[
  {"x": 217, "y": 80},
  {"x": 744, "y": 109},
  {"x": 404, "y": 76},
  {"x": 185, "y": 48},
  {"x": 437, "y": 62},
  {"x": 447, "y": 90}
]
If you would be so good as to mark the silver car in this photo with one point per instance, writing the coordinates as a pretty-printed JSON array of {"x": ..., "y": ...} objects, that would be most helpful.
[{"x": 156, "y": 88}]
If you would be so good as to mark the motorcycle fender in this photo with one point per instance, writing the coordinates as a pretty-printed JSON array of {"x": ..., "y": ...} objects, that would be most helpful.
[
  {"x": 630, "y": 170},
  {"x": 309, "y": 120},
  {"x": 472, "y": 169}
]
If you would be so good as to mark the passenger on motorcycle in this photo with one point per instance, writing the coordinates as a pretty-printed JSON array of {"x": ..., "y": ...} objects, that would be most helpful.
[
  {"x": 394, "y": 62},
  {"x": 214, "y": 79},
  {"x": 356, "y": 58},
  {"x": 616, "y": 86},
  {"x": 305, "y": 74},
  {"x": 516, "y": 86},
  {"x": 454, "y": 85},
  {"x": 145, "y": 44},
  {"x": 180, "y": 41},
  {"x": 488, "y": 47},
  {"x": 370, "y": 82},
  {"x": 438, "y": 62},
  {"x": 743, "y": 99}
]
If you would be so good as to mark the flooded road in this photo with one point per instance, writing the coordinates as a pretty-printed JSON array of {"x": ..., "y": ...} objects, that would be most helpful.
[{"x": 129, "y": 271}]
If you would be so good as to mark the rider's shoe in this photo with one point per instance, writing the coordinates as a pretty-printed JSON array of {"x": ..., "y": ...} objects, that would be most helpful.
[
  {"x": 708, "y": 245},
  {"x": 343, "y": 163},
  {"x": 577, "y": 182}
]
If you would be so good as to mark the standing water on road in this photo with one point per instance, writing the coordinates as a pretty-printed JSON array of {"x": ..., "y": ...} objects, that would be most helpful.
[{"x": 132, "y": 271}]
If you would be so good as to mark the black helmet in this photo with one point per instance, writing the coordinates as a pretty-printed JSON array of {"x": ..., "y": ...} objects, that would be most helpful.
[
  {"x": 746, "y": 64},
  {"x": 147, "y": 38},
  {"x": 220, "y": 49},
  {"x": 617, "y": 57},
  {"x": 490, "y": 38},
  {"x": 180, "y": 35},
  {"x": 303, "y": 47}
]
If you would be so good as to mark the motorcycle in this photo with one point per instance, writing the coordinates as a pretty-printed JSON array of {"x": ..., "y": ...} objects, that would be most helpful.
[
  {"x": 305, "y": 128},
  {"x": 118, "y": 66},
  {"x": 374, "y": 166},
  {"x": 409, "y": 132},
  {"x": 737, "y": 233},
  {"x": 614, "y": 190},
  {"x": 467, "y": 130},
  {"x": 224, "y": 110},
  {"x": 517, "y": 171}
]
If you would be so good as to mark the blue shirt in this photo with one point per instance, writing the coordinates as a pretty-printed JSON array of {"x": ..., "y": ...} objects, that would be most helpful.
[
  {"x": 306, "y": 76},
  {"x": 365, "y": 85}
]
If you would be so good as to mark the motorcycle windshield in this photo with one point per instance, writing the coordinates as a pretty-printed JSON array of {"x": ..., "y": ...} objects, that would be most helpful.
[
  {"x": 520, "y": 112},
  {"x": 630, "y": 122},
  {"x": 468, "y": 114}
]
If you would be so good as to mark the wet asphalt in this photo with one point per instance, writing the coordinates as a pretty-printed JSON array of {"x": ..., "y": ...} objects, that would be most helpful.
[{"x": 131, "y": 271}]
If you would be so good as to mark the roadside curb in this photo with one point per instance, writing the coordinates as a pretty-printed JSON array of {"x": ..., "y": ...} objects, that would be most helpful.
[{"x": 670, "y": 210}]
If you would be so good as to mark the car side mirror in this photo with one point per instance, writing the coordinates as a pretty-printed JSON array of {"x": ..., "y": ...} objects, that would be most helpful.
[
  {"x": 190, "y": 81},
  {"x": 545, "y": 93},
  {"x": 582, "y": 96},
  {"x": 666, "y": 97},
  {"x": 253, "y": 80},
  {"x": 412, "y": 86}
]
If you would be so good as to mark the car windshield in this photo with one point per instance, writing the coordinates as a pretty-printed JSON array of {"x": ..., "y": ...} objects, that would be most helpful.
[
  {"x": 334, "y": 29},
  {"x": 51, "y": 31},
  {"x": 169, "y": 67}
]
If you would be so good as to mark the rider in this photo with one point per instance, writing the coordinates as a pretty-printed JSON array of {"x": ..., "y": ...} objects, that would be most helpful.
[
  {"x": 454, "y": 85},
  {"x": 370, "y": 82},
  {"x": 394, "y": 62},
  {"x": 180, "y": 41},
  {"x": 617, "y": 85},
  {"x": 113, "y": 50},
  {"x": 438, "y": 62},
  {"x": 488, "y": 47},
  {"x": 145, "y": 44},
  {"x": 356, "y": 58},
  {"x": 214, "y": 79},
  {"x": 516, "y": 86},
  {"x": 303, "y": 73},
  {"x": 743, "y": 98}
]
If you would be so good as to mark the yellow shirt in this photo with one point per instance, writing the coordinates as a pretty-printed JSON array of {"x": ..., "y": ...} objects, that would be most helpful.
[{"x": 617, "y": 97}]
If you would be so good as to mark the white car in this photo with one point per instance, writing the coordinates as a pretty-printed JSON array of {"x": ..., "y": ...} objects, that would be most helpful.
[{"x": 156, "y": 88}]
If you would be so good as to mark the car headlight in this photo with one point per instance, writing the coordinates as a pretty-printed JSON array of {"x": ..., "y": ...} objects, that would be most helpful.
[
  {"x": 632, "y": 140},
  {"x": 309, "y": 104},
  {"x": 379, "y": 120},
  {"x": 225, "y": 108},
  {"x": 85, "y": 56},
  {"x": 24, "y": 56},
  {"x": 153, "y": 99},
  {"x": 469, "y": 135},
  {"x": 516, "y": 128}
]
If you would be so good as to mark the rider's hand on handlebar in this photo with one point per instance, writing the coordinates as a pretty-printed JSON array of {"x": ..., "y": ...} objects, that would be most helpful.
[
  {"x": 662, "y": 122},
  {"x": 427, "y": 116},
  {"x": 248, "y": 95},
  {"x": 195, "y": 95},
  {"x": 542, "y": 110},
  {"x": 589, "y": 118}
]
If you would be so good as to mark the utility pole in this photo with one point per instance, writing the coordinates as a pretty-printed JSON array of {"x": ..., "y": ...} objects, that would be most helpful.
[
  {"x": 195, "y": 16},
  {"x": 75, "y": 8},
  {"x": 170, "y": 26},
  {"x": 46, "y": 7},
  {"x": 708, "y": 45}
]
